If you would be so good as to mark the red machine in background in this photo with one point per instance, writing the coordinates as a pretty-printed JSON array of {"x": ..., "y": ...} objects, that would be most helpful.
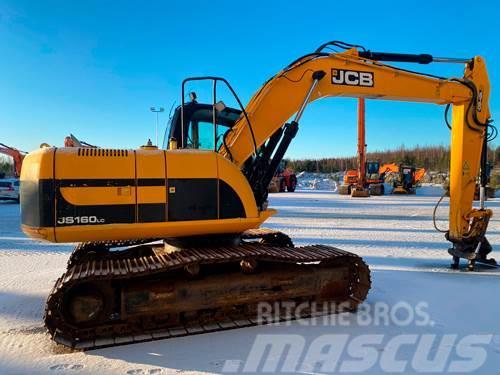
[
  {"x": 16, "y": 155},
  {"x": 284, "y": 180}
]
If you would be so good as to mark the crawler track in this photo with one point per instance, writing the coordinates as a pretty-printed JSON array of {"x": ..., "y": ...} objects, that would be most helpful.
[{"x": 145, "y": 293}]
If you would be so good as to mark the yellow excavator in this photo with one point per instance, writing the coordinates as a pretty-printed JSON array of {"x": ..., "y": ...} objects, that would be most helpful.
[{"x": 170, "y": 241}]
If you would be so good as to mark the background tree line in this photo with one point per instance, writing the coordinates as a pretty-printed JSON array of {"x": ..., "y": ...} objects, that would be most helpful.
[{"x": 433, "y": 158}]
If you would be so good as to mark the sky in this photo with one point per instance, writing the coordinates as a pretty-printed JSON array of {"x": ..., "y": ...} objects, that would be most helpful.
[{"x": 94, "y": 68}]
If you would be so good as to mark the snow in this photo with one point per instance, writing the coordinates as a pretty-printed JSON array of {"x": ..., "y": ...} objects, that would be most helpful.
[
  {"x": 315, "y": 181},
  {"x": 394, "y": 234}
]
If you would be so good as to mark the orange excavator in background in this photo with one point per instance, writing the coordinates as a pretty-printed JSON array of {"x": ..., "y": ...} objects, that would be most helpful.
[
  {"x": 374, "y": 179},
  {"x": 16, "y": 155},
  {"x": 366, "y": 180}
]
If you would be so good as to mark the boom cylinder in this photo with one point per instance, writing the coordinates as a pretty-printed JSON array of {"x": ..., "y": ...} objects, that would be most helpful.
[{"x": 422, "y": 58}]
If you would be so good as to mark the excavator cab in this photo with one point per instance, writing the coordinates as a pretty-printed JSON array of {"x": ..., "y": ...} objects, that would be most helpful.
[
  {"x": 405, "y": 181},
  {"x": 372, "y": 168},
  {"x": 374, "y": 179},
  {"x": 200, "y": 128}
]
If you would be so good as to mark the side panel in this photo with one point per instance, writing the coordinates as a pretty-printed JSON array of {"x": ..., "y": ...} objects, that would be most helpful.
[
  {"x": 192, "y": 185},
  {"x": 230, "y": 204},
  {"x": 94, "y": 186},
  {"x": 236, "y": 196},
  {"x": 151, "y": 186}
]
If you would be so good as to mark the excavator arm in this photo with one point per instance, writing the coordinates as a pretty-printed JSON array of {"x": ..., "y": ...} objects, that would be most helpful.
[{"x": 357, "y": 73}]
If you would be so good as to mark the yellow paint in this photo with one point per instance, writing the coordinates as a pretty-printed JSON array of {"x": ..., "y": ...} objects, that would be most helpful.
[
  {"x": 150, "y": 163},
  {"x": 151, "y": 194},
  {"x": 38, "y": 164},
  {"x": 87, "y": 196},
  {"x": 191, "y": 164},
  {"x": 69, "y": 165},
  {"x": 147, "y": 230}
]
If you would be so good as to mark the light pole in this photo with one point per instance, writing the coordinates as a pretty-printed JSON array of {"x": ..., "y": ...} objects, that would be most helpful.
[{"x": 157, "y": 111}]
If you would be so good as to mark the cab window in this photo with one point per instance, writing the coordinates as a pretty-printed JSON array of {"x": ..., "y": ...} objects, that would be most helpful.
[
  {"x": 201, "y": 131},
  {"x": 198, "y": 132},
  {"x": 372, "y": 168},
  {"x": 201, "y": 135}
]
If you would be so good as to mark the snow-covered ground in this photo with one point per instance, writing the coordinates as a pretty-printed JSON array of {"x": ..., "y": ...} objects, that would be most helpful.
[
  {"x": 316, "y": 181},
  {"x": 394, "y": 234}
]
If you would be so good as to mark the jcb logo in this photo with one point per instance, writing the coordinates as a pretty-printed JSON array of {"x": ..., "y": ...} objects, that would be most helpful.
[{"x": 352, "y": 78}]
